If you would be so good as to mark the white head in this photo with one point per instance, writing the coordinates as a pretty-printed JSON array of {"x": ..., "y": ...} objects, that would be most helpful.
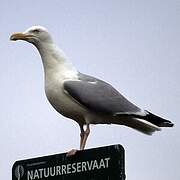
[
  {"x": 51, "y": 55},
  {"x": 34, "y": 35}
]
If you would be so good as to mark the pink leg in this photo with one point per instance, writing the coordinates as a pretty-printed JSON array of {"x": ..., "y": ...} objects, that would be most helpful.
[
  {"x": 84, "y": 137},
  {"x": 72, "y": 152}
]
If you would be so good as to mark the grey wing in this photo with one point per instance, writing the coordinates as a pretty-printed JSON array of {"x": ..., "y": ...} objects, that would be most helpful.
[{"x": 98, "y": 96}]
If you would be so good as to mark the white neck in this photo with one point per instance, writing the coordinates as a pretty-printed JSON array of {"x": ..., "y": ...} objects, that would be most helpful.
[{"x": 55, "y": 61}]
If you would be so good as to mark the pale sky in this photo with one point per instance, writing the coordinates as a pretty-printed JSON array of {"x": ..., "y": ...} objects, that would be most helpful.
[{"x": 132, "y": 44}]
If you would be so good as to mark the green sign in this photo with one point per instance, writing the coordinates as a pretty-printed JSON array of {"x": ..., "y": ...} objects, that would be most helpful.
[{"x": 103, "y": 163}]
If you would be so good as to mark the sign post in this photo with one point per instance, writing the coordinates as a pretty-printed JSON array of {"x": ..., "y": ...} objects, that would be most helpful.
[{"x": 103, "y": 163}]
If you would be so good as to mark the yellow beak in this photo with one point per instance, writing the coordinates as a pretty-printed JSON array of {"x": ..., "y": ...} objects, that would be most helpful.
[{"x": 20, "y": 36}]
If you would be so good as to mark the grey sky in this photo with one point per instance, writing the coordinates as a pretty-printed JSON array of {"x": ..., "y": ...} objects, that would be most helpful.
[{"x": 134, "y": 45}]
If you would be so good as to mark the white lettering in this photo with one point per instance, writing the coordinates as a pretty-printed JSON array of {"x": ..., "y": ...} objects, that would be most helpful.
[
  {"x": 107, "y": 162},
  {"x": 36, "y": 174},
  {"x": 63, "y": 169},
  {"x": 58, "y": 170},
  {"x": 102, "y": 164},
  {"x": 68, "y": 168},
  {"x": 30, "y": 175},
  {"x": 74, "y": 168},
  {"x": 51, "y": 171},
  {"x": 95, "y": 165},
  {"x": 40, "y": 173},
  {"x": 78, "y": 167},
  {"x": 46, "y": 174},
  {"x": 84, "y": 166},
  {"x": 89, "y": 165}
]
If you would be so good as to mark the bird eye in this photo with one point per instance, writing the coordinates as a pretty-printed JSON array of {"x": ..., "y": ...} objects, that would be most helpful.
[{"x": 36, "y": 31}]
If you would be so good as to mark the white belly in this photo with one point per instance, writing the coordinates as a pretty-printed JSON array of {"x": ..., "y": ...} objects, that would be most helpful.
[{"x": 64, "y": 104}]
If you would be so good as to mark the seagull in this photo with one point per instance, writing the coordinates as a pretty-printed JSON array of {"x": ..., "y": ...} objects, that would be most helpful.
[{"x": 83, "y": 98}]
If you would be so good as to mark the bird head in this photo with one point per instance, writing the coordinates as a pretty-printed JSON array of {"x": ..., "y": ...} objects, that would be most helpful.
[{"x": 34, "y": 35}]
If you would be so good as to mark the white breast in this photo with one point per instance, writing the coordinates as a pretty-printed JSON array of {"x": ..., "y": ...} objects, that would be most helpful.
[
  {"x": 60, "y": 100},
  {"x": 58, "y": 69}
]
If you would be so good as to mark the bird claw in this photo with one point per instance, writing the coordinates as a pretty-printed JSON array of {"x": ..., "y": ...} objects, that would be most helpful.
[{"x": 71, "y": 152}]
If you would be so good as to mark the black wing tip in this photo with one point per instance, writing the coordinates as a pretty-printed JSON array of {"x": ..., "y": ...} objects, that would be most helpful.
[
  {"x": 161, "y": 122},
  {"x": 167, "y": 124}
]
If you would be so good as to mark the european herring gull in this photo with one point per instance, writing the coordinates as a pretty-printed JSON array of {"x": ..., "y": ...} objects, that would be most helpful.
[{"x": 84, "y": 98}]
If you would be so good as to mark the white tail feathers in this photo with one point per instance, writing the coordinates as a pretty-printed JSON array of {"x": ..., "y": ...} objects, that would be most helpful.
[{"x": 144, "y": 126}]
